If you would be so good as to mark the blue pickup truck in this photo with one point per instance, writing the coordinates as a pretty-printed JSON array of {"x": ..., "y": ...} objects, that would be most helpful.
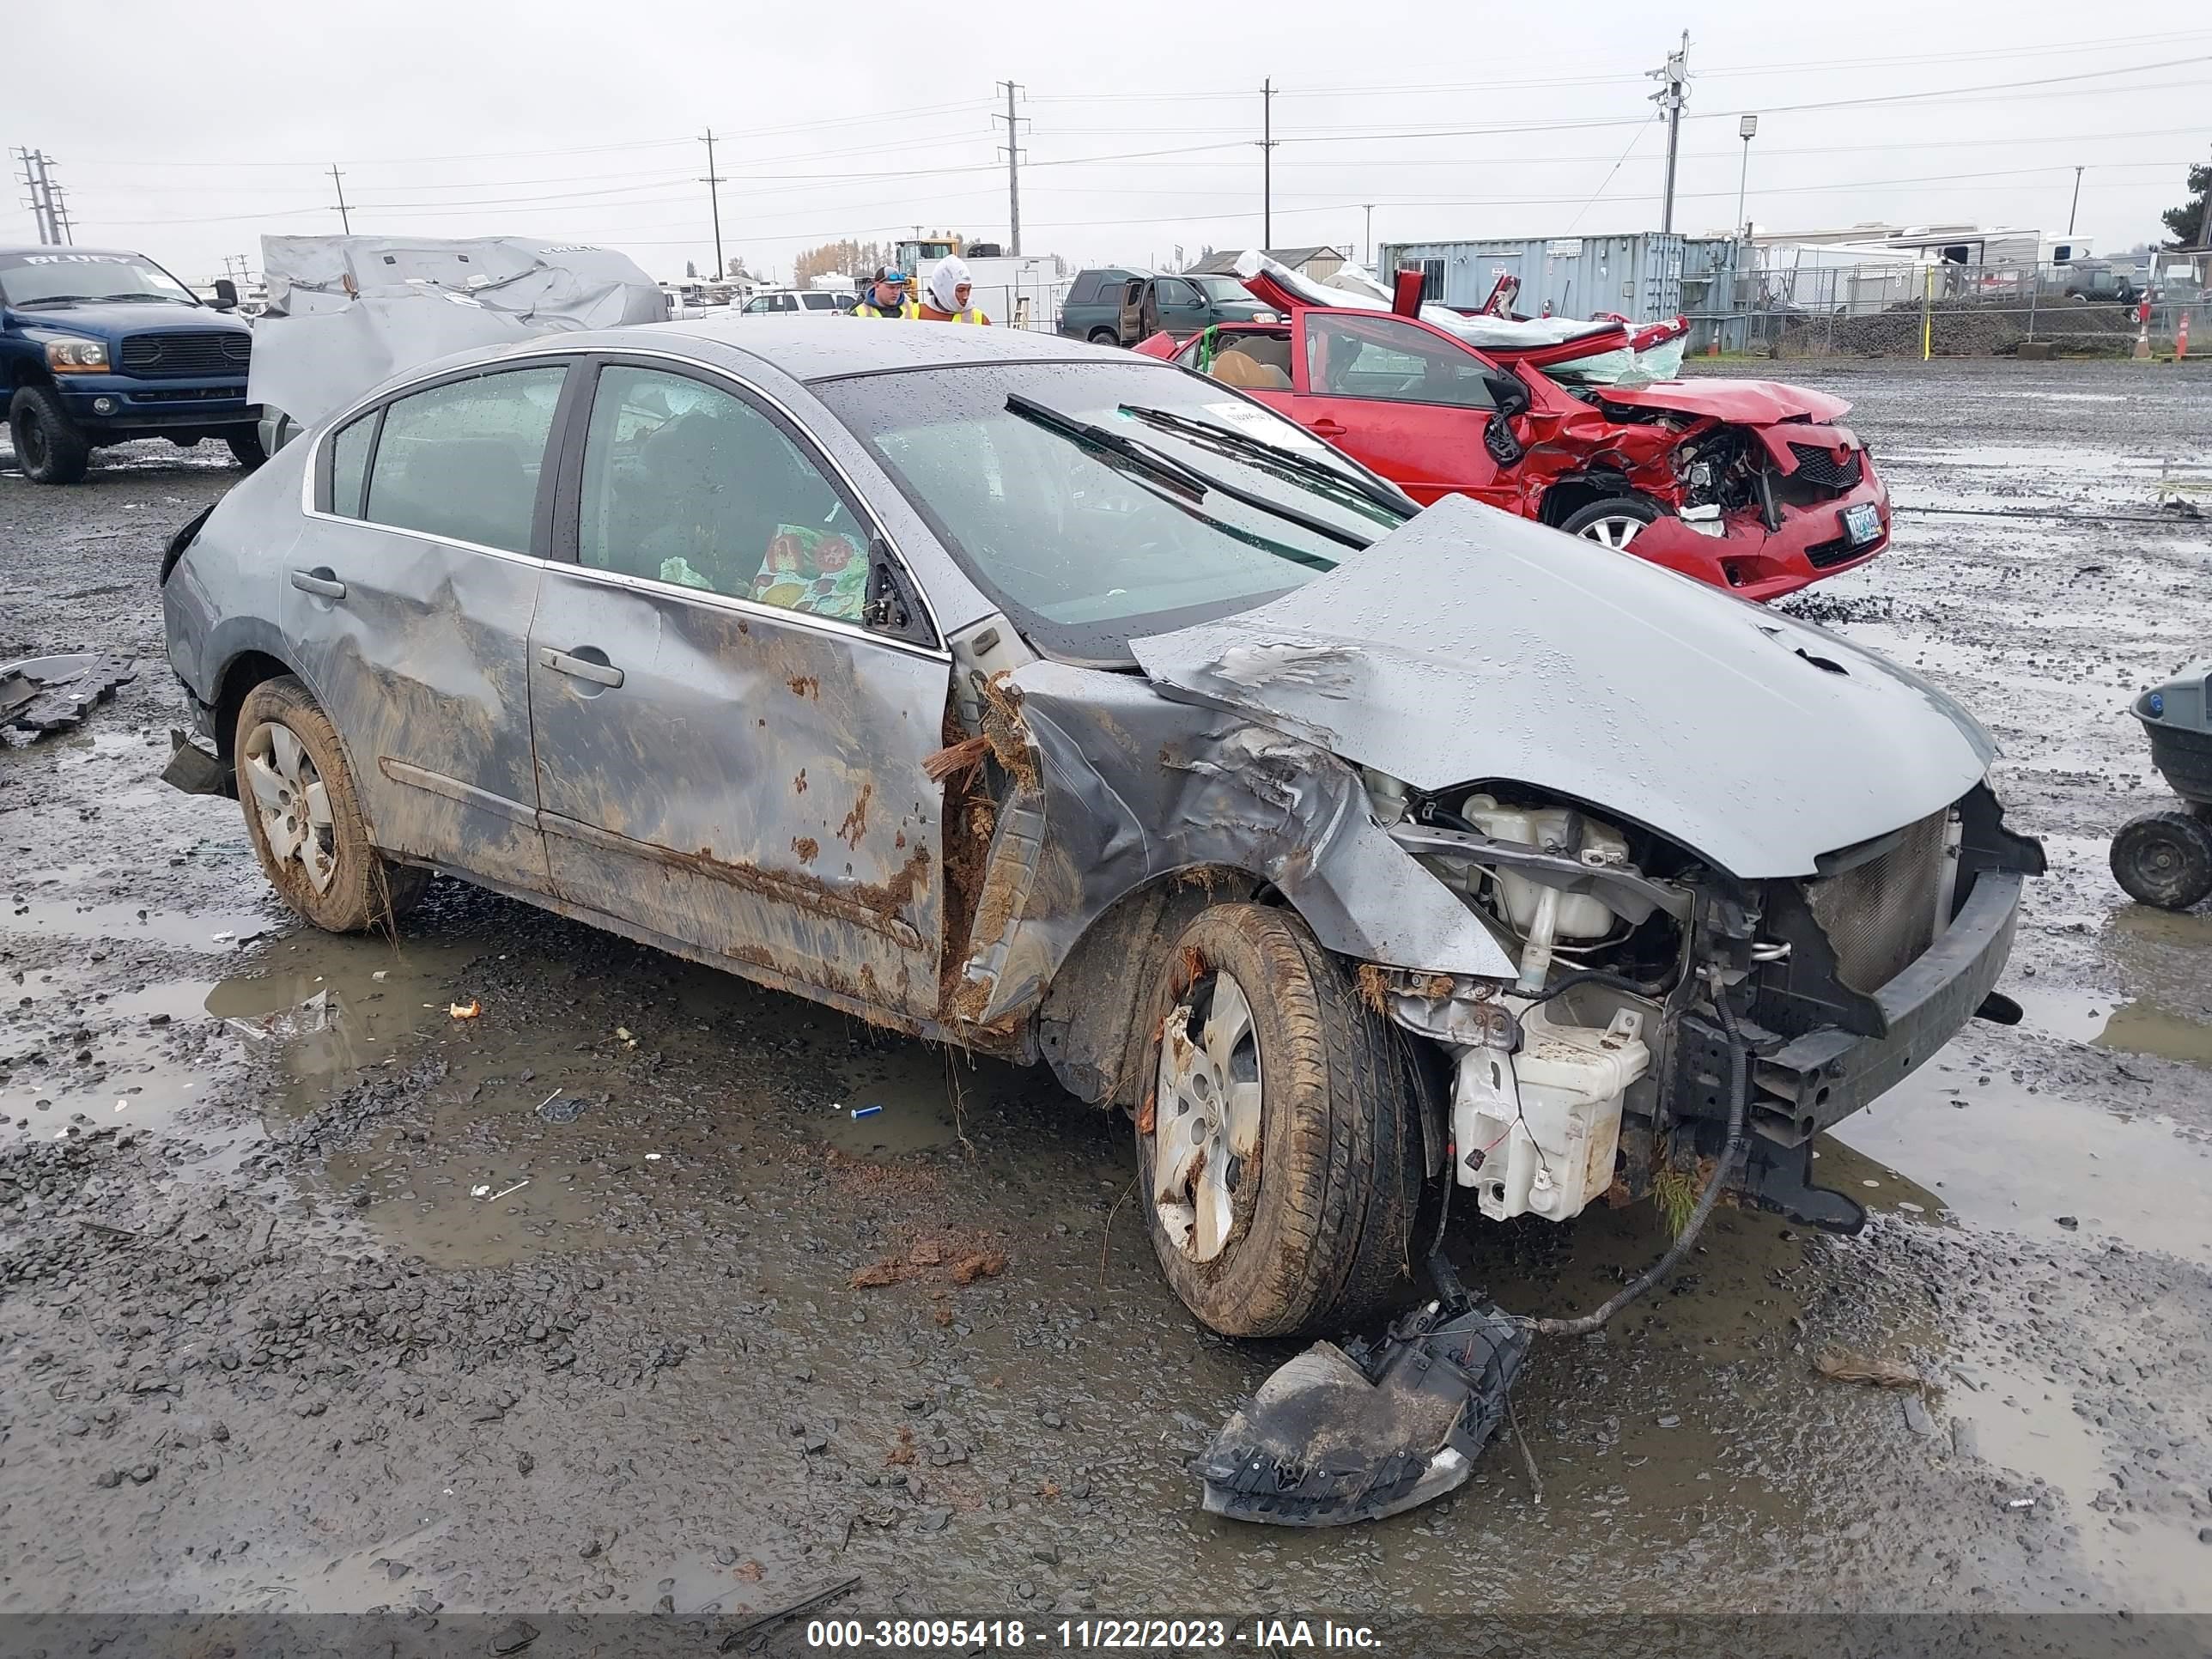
[{"x": 99, "y": 347}]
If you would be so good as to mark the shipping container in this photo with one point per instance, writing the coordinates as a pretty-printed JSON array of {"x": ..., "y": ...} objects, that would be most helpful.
[{"x": 1638, "y": 277}]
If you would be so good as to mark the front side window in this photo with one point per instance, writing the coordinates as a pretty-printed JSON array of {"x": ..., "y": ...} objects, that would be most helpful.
[
  {"x": 1390, "y": 359},
  {"x": 463, "y": 459},
  {"x": 689, "y": 485}
]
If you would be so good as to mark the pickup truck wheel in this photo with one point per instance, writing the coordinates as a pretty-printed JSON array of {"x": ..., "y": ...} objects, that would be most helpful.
[
  {"x": 2165, "y": 859},
  {"x": 304, "y": 819},
  {"x": 245, "y": 447},
  {"x": 48, "y": 446},
  {"x": 1277, "y": 1151},
  {"x": 1614, "y": 522}
]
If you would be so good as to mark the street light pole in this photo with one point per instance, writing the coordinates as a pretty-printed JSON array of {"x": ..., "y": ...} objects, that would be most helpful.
[{"x": 1746, "y": 129}]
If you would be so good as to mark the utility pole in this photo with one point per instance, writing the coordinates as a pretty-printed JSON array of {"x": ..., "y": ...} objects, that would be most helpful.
[
  {"x": 1673, "y": 90},
  {"x": 714, "y": 182},
  {"x": 1370, "y": 207},
  {"x": 345, "y": 216},
  {"x": 1013, "y": 170},
  {"x": 2076, "y": 208},
  {"x": 1266, "y": 164},
  {"x": 44, "y": 200}
]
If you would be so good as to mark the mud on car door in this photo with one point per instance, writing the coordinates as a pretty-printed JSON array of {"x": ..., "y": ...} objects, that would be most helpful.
[
  {"x": 728, "y": 757},
  {"x": 407, "y": 608}
]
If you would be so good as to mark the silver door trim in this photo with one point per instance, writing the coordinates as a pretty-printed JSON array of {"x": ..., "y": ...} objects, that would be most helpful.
[{"x": 454, "y": 789}]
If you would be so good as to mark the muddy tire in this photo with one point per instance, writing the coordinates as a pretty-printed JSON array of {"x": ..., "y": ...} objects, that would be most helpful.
[
  {"x": 1614, "y": 522},
  {"x": 305, "y": 819},
  {"x": 1277, "y": 1146},
  {"x": 1104, "y": 336},
  {"x": 48, "y": 446},
  {"x": 2165, "y": 859}
]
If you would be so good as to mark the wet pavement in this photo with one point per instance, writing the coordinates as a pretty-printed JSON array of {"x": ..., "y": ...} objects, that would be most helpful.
[{"x": 315, "y": 1298}]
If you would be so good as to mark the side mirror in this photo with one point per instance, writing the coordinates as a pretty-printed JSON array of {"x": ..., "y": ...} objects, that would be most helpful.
[
  {"x": 226, "y": 294},
  {"x": 1507, "y": 393}
]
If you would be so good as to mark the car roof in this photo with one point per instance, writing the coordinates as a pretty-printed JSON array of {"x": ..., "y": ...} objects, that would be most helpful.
[
  {"x": 826, "y": 349},
  {"x": 49, "y": 247}
]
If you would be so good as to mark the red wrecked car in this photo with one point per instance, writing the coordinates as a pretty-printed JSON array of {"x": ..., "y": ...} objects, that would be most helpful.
[{"x": 1749, "y": 485}]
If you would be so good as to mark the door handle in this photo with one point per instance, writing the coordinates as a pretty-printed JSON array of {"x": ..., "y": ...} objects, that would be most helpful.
[
  {"x": 319, "y": 582},
  {"x": 1328, "y": 429},
  {"x": 582, "y": 668}
]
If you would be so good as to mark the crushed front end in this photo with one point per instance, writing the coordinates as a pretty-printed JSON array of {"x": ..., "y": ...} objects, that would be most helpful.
[{"x": 1603, "y": 1065}]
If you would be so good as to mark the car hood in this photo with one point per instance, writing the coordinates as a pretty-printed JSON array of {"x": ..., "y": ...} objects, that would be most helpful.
[
  {"x": 1746, "y": 403},
  {"x": 1471, "y": 645},
  {"x": 105, "y": 321}
]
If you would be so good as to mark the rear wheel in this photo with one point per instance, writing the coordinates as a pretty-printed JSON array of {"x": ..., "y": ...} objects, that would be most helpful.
[
  {"x": 1104, "y": 336},
  {"x": 1279, "y": 1151},
  {"x": 304, "y": 819},
  {"x": 1614, "y": 522},
  {"x": 48, "y": 446},
  {"x": 2165, "y": 859}
]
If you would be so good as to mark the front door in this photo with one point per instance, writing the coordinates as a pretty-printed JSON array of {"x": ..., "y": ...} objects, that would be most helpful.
[
  {"x": 1408, "y": 401},
  {"x": 728, "y": 757},
  {"x": 407, "y": 603},
  {"x": 1182, "y": 308}
]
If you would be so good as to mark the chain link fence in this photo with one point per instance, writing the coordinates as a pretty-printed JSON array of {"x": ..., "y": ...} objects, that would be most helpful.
[{"x": 1958, "y": 310}]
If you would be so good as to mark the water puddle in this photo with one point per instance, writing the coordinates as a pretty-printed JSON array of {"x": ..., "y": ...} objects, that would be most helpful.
[
  {"x": 2001, "y": 1157},
  {"x": 120, "y": 920},
  {"x": 912, "y": 1096},
  {"x": 2114, "y": 1023}
]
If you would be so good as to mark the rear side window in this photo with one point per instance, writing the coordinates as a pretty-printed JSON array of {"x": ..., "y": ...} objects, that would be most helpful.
[
  {"x": 349, "y": 465},
  {"x": 463, "y": 459},
  {"x": 817, "y": 302}
]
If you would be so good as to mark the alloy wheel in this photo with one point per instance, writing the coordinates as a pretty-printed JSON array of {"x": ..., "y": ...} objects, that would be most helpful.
[
  {"x": 1615, "y": 532},
  {"x": 293, "y": 802},
  {"x": 1206, "y": 1118}
]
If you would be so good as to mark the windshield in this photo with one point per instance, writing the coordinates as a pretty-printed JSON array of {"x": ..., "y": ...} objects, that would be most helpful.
[
  {"x": 1218, "y": 289},
  {"x": 1089, "y": 540},
  {"x": 27, "y": 278}
]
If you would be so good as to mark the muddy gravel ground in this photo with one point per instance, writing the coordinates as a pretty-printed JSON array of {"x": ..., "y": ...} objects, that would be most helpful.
[{"x": 315, "y": 1299}]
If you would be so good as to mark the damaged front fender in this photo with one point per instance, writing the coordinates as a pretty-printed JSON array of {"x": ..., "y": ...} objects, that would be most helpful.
[{"x": 1124, "y": 786}]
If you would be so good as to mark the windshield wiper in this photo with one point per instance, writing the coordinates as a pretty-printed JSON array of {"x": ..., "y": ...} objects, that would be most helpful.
[
  {"x": 1188, "y": 479},
  {"x": 1289, "y": 459},
  {"x": 52, "y": 300},
  {"x": 1172, "y": 473}
]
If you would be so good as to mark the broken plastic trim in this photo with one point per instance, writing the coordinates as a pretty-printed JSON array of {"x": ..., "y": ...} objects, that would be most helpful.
[{"x": 1357, "y": 1433}]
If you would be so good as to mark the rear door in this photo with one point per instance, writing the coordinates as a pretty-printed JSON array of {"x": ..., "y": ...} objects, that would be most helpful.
[
  {"x": 1403, "y": 397},
  {"x": 729, "y": 757},
  {"x": 407, "y": 605}
]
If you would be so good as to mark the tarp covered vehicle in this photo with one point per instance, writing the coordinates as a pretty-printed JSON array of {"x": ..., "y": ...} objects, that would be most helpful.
[
  {"x": 347, "y": 311},
  {"x": 1036, "y": 697},
  {"x": 1750, "y": 485}
]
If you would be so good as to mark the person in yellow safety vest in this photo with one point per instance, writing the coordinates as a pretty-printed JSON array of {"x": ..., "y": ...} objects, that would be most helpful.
[
  {"x": 886, "y": 296},
  {"x": 950, "y": 293}
]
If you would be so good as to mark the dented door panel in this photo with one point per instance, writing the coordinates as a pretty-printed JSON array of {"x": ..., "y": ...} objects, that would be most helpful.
[
  {"x": 419, "y": 663},
  {"x": 753, "y": 787}
]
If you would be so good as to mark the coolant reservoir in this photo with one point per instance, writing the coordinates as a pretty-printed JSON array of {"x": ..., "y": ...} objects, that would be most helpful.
[
  {"x": 1546, "y": 1121},
  {"x": 1581, "y": 915}
]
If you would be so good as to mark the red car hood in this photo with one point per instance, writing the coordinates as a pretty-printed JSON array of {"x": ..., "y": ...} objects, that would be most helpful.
[{"x": 1742, "y": 403}]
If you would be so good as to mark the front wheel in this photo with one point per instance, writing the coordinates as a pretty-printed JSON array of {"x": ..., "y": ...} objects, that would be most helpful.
[
  {"x": 305, "y": 820},
  {"x": 1614, "y": 522},
  {"x": 246, "y": 446},
  {"x": 48, "y": 446},
  {"x": 2165, "y": 859},
  {"x": 1278, "y": 1148}
]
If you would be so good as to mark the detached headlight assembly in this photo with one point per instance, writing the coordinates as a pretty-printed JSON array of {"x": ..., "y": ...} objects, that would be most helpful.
[{"x": 77, "y": 356}]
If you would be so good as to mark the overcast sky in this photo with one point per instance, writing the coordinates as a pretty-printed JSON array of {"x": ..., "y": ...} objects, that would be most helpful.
[{"x": 189, "y": 130}]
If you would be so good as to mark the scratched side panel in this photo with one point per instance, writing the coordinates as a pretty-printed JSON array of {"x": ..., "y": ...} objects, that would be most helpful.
[
  {"x": 754, "y": 787},
  {"x": 421, "y": 667}
]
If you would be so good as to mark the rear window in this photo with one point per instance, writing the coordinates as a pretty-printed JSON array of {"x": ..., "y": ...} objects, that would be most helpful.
[{"x": 462, "y": 460}]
